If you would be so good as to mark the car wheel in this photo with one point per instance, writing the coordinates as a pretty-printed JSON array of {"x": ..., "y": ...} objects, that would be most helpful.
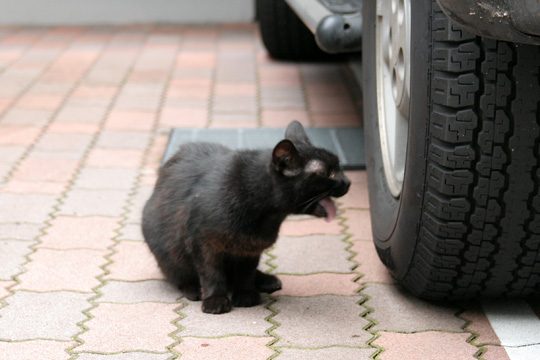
[
  {"x": 284, "y": 35},
  {"x": 453, "y": 153}
]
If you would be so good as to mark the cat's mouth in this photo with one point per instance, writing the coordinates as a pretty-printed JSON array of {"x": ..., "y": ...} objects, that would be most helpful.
[{"x": 325, "y": 208}]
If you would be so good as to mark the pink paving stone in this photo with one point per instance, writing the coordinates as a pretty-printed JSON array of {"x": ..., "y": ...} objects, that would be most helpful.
[
  {"x": 61, "y": 142},
  {"x": 34, "y": 187},
  {"x": 4, "y": 284},
  {"x": 369, "y": 265},
  {"x": 18, "y": 135},
  {"x": 29, "y": 208},
  {"x": 357, "y": 176},
  {"x": 357, "y": 197},
  {"x": 358, "y": 223},
  {"x": 125, "y": 327},
  {"x": 131, "y": 231},
  {"x": 84, "y": 114},
  {"x": 130, "y": 120},
  {"x": 335, "y": 120},
  {"x": 235, "y": 89},
  {"x": 228, "y": 348},
  {"x": 331, "y": 105},
  {"x": 38, "y": 169},
  {"x": 19, "y": 231},
  {"x": 429, "y": 345},
  {"x": 26, "y": 116},
  {"x": 183, "y": 117},
  {"x": 282, "y": 118},
  {"x": 34, "y": 349},
  {"x": 225, "y": 120},
  {"x": 47, "y": 102},
  {"x": 72, "y": 128},
  {"x": 133, "y": 261},
  {"x": 114, "y": 158},
  {"x": 94, "y": 202},
  {"x": 92, "y": 232},
  {"x": 318, "y": 284},
  {"x": 53, "y": 270},
  {"x": 311, "y": 226},
  {"x": 123, "y": 140},
  {"x": 479, "y": 325},
  {"x": 94, "y": 91},
  {"x": 495, "y": 353},
  {"x": 105, "y": 178}
]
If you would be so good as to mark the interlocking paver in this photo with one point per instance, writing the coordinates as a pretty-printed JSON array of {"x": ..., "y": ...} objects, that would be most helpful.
[
  {"x": 325, "y": 320},
  {"x": 73, "y": 128},
  {"x": 69, "y": 232},
  {"x": 479, "y": 324},
  {"x": 60, "y": 142},
  {"x": 125, "y": 327},
  {"x": 318, "y": 284},
  {"x": 341, "y": 353},
  {"x": 139, "y": 291},
  {"x": 139, "y": 355},
  {"x": 357, "y": 197},
  {"x": 24, "y": 318},
  {"x": 105, "y": 178},
  {"x": 32, "y": 208},
  {"x": 114, "y": 158},
  {"x": 4, "y": 285},
  {"x": 18, "y": 135},
  {"x": 358, "y": 223},
  {"x": 309, "y": 226},
  {"x": 395, "y": 310},
  {"x": 65, "y": 270},
  {"x": 45, "y": 169},
  {"x": 281, "y": 118},
  {"x": 333, "y": 120},
  {"x": 85, "y": 202},
  {"x": 19, "y": 116},
  {"x": 293, "y": 258},
  {"x": 369, "y": 265},
  {"x": 430, "y": 345},
  {"x": 131, "y": 232},
  {"x": 19, "y": 230},
  {"x": 240, "y": 321},
  {"x": 10, "y": 153},
  {"x": 122, "y": 140},
  {"x": 12, "y": 257},
  {"x": 133, "y": 261},
  {"x": 34, "y": 187},
  {"x": 81, "y": 114},
  {"x": 227, "y": 348},
  {"x": 137, "y": 204},
  {"x": 35, "y": 349},
  {"x": 495, "y": 353},
  {"x": 130, "y": 120}
]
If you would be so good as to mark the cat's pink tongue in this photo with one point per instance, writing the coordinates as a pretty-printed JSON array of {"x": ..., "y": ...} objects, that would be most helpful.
[{"x": 329, "y": 207}]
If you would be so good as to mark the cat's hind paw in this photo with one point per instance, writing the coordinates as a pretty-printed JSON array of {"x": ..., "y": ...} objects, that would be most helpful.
[
  {"x": 267, "y": 283},
  {"x": 191, "y": 293},
  {"x": 216, "y": 305},
  {"x": 246, "y": 298}
]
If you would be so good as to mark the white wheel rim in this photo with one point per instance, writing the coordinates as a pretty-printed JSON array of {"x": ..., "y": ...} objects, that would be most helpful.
[{"x": 392, "y": 47}]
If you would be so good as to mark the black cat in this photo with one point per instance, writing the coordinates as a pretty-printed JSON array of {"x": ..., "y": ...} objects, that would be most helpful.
[{"x": 214, "y": 211}]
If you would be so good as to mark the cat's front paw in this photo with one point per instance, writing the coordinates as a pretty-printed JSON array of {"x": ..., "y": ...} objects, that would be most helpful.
[
  {"x": 216, "y": 305},
  {"x": 267, "y": 283},
  {"x": 246, "y": 298}
]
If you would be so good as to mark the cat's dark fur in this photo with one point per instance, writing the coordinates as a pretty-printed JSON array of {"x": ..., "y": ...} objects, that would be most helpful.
[{"x": 214, "y": 211}]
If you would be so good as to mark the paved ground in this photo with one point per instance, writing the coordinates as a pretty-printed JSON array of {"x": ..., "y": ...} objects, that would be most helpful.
[{"x": 84, "y": 120}]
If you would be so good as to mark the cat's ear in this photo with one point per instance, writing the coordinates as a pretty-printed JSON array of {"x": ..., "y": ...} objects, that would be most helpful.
[
  {"x": 285, "y": 158},
  {"x": 296, "y": 133}
]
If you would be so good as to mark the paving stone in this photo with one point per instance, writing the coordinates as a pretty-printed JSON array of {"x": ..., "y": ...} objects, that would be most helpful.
[
  {"x": 85, "y": 202},
  {"x": 334, "y": 120},
  {"x": 369, "y": 265},
  {"x": 318, "y": 284},
  {"x": 133, "y": 261},
  {"x": 10, "y": 154},
  {"x": 125, "y": 327},
  {"x": 35, "y": 349},
  {"x": 341, "y": 353},
  {"x": 72, "y": 128},
  {"x": 282, "y": 118},
  {"x": 106, "y": 178},
  {"x": 33, "y": 169},
  {"x": 27, "y": 208},
  {"x": 139, "y": 355},
  {"x": 357, "y": 197},
  {"x": 18, "y": 135},
  {"x": 293, "y": 255},
  {"x": 496, "y": 353},
  {"x": 65, "y": 270},
  {"x": 131, "y": 232},
  {"x": 24, "y": 317},
  {"x": 12, "y": 257},
  {"x": 34, "y": 187},
  {"x": 357, "y": 176},
  {"x": 19, "y": 231},
  {"x": 139, "y": 291},
  {"x": 4, "y": 287},
  {"x": 228, "y": 348},
  {"x": 309, "y": 226},
  {"x": 130, "y": 120},
  {"x": 325, "y": 320},
  {"x": 479, "y": 325},
  {"x": 240, "y": 321},
  {"x": 430, "y": 345},
  {"x": 395, "y": 310},
  {"x": 19, "y": 116},
  {"x": 137, "y": 203},
  {"x": 84, "y": 114},
  {"x": 122, "y": 140},
  {"x": 91, "y": 232},
  {"x": 358, "y": 224},
  {"x": 61, "y": 142},
  {"x": 114, "y": 158}
]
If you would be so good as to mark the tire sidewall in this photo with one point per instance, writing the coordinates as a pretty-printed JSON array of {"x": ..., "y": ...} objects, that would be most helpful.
[{"x": 396, "y": 221}]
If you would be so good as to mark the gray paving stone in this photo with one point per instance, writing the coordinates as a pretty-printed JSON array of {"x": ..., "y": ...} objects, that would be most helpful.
[
  {"x": 105, "y": 178},
  {"x": 23, "y": 208},
  {"x": 320, "y": 321},
  {"x": 52, "y": 315},
  {"x": 310, "y": 254},
  {"x": 341, "y": 353},
  {"x": 123, "y": 140},
  {"x": 19, "y": 231},
  {"x": 131, "y": 232},
  {"x": 133, "y": 292},
  {"x": 395, "y": 310},
  {"x": 124, "y": 356},
  {"x": 240, "y": 321},
  {"x": 94, "y": 202},
  {"x": 12, "y": 254}
]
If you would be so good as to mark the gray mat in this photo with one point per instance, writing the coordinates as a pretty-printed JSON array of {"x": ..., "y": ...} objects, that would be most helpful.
[{"x": 347, "y": 143}]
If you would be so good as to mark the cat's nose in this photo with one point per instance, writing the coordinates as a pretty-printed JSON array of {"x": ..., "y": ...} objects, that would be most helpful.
[{"x": 341, "y": 187}]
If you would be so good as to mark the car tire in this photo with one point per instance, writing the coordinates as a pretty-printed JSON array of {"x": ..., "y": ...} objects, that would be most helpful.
[
  {"x": 466, "y": 221},
  {"x": 284, "y": 35}
]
